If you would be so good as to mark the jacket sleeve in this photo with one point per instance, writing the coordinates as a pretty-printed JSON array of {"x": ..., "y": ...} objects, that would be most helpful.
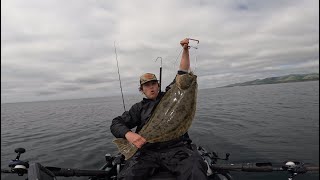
[
  {"x": 180, "y": 72},
  {"x": 128, "y": 120}
]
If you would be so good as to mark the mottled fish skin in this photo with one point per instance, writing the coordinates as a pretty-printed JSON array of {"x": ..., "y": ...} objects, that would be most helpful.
[{"x": 172, "y": 117}]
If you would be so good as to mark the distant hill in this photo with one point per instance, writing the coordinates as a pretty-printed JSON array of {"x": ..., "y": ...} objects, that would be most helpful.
[{"x": 280, "y": 79}]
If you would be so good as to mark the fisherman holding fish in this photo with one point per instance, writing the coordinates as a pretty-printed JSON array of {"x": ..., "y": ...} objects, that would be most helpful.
[{"x": 161, "y": 120}]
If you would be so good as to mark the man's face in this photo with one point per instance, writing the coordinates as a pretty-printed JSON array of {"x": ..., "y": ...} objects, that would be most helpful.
[{"x": 151, "y": 89}]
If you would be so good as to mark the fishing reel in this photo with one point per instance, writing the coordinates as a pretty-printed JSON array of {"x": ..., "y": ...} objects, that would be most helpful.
[
  {"x": 113, "y": 163},
  {"x": 212, "y": 155},
  {"x": 18, "y": 166},
  {"x": 294, "y": 168}
]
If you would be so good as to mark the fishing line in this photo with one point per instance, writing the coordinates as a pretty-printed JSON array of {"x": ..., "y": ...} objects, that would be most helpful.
[
  {"x": 196, "y": 60},
  {"x": 196, "y": 54},
  {"x": 175, "y": 62},
  {"x": 115, "y": 50}
]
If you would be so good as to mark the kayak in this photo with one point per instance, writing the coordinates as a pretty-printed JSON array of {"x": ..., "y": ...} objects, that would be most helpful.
[{"x": 114, "y": 164}]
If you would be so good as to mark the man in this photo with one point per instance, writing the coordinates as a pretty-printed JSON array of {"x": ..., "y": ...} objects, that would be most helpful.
[{"x": 176, "y": 155}]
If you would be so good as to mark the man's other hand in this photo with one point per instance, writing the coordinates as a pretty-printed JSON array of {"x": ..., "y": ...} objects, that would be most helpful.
[{"x": 135, "y": 139}]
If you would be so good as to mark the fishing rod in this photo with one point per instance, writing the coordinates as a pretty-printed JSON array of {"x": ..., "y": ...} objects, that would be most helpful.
[
  {"x": 115, "y": 50},
  {"x": 36, "y": 171},
  {"x": 292, "y": 167},
  {"x": 160, "y": 71}
]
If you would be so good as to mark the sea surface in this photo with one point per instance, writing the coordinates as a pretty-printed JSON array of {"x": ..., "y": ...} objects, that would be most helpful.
[{"x": 264, "y": 123}]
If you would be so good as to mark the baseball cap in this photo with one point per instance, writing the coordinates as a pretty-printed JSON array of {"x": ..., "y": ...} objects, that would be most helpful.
[{"x": 147, "y": 77}]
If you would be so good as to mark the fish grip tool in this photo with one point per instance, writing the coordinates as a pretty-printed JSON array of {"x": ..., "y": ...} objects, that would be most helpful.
[{"x": 196, "y": 40}]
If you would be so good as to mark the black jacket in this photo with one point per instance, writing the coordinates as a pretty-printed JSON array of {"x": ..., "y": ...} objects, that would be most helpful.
[{"x": 137, "y": 116}]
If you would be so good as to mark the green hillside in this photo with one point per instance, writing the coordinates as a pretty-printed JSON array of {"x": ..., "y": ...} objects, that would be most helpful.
[{"x": 280, "y": 79}]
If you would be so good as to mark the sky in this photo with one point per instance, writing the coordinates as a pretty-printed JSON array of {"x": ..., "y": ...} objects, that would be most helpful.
[{"x": 56, "y": 49}]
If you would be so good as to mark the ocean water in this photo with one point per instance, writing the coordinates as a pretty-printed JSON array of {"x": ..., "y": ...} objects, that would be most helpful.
[{"x": 265, "y": 123}]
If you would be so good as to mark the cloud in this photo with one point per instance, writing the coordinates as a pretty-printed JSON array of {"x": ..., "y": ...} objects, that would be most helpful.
[{"x": 65, "y": 49}]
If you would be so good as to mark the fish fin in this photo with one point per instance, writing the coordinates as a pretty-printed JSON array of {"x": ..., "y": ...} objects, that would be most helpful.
[
  {"x": 184, "y": 81},
  {"x": 125, "y": 147}
]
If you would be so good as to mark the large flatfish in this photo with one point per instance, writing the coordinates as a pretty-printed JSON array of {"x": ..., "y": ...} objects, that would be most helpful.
[{"x": 171, "y": 118}]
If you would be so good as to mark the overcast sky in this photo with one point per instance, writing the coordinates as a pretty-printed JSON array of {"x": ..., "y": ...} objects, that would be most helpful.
[{"x": 57, "y": 49}]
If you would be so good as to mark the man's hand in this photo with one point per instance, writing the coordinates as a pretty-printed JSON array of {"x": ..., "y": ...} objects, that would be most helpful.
[
  {"x": 135, "y": 139},
  {"x": 184, "y": 43},
  {"x": 185, "y": 60}
]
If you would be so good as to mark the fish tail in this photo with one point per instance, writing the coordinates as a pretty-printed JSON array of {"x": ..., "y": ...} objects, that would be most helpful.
[{"x": 125, "y": 147}]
